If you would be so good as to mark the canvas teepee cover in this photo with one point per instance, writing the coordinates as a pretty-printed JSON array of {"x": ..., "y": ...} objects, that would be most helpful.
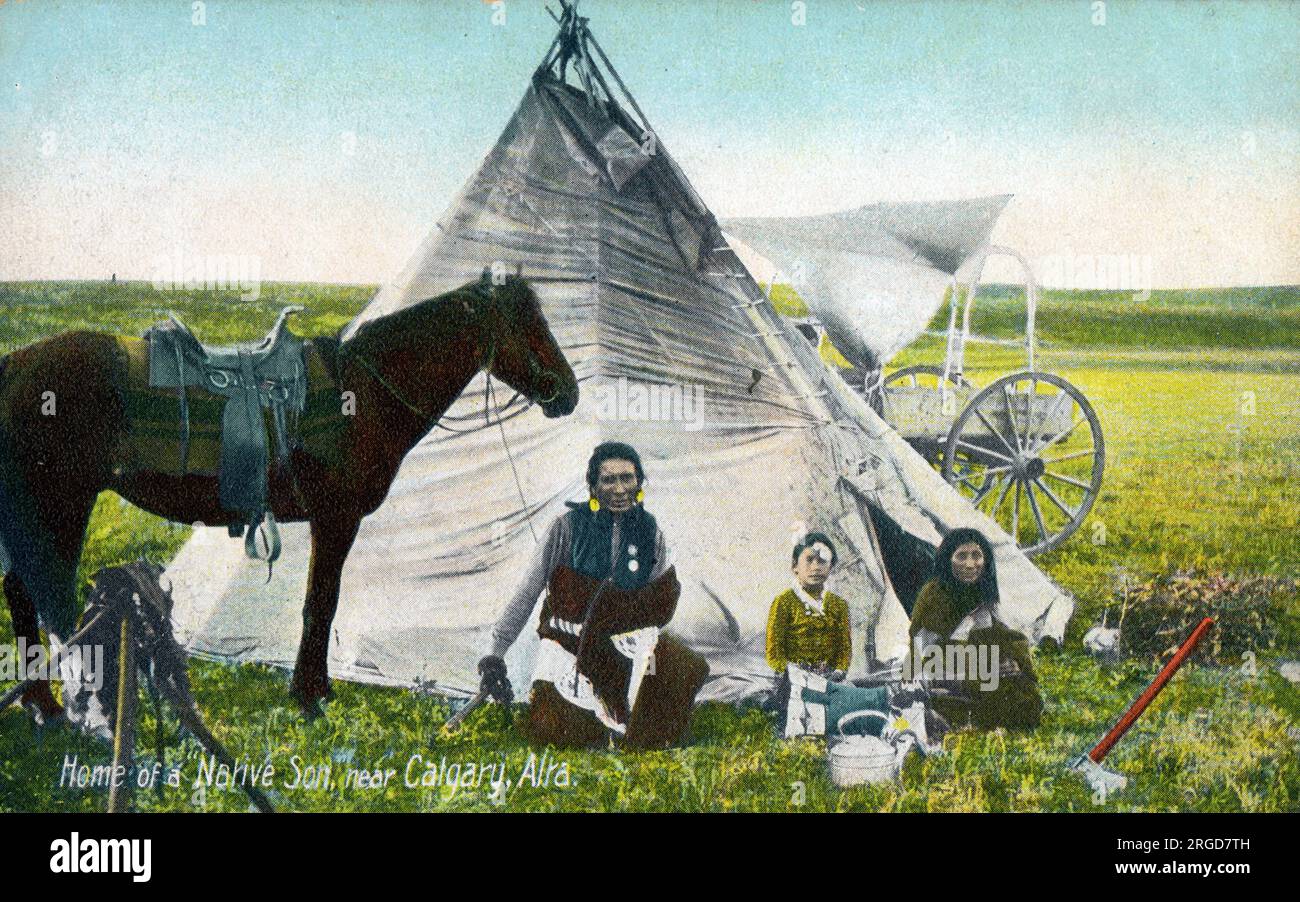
[{"x": 747, "y": 439}]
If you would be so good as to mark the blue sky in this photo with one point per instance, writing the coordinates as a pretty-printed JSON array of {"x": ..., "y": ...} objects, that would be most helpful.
[{"x": 326, "y": 138}]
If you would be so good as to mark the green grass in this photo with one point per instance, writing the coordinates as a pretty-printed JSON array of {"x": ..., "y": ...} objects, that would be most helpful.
[
  {"x": 36, "y": 309},
  {"x": 1219, "y": 320},
  {"x": 1225, "y": 319},
  {"x": 1191, "y": 481}
]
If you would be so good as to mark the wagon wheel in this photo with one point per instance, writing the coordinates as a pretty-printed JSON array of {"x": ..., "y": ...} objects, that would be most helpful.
[
  {"x": 1028, "y": 451},
  {"x": 914, "y": 375},
  {"x": 922, "y": 375}
]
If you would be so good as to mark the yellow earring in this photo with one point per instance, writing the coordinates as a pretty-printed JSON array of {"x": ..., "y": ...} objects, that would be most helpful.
[
  {"x": 640, "y": 495},
  {"x": 594, "y": 505}
]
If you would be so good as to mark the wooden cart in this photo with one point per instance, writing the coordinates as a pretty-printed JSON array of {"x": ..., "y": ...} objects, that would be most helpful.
[{"x": 1027, "y": 449}]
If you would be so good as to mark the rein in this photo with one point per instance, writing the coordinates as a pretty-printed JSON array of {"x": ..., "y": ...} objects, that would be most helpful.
[
  {"x": 489, "y": 401},
  {"x": 424, "y": 417}
]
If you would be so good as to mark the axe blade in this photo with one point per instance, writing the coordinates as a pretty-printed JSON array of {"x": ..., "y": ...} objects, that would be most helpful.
[
  {"x": 1100, "y": 779},
  {"x": 473, "y": 704}
]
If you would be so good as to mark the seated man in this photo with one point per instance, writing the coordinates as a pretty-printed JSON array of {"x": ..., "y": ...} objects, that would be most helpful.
[{"x": 604, "y": 668}]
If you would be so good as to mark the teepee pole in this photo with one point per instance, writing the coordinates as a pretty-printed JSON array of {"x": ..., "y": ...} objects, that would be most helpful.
[
  {"x": 549, "y": 59},
  {"x": 595, "y": 72},
  {"x": 591, "y": 38}
]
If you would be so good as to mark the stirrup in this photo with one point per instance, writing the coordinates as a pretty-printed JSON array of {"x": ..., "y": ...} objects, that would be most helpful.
[{"x": 267, "y": 526}]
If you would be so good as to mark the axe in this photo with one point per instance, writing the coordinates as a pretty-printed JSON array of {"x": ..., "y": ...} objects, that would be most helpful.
[{"x": 1089, "y": 766}]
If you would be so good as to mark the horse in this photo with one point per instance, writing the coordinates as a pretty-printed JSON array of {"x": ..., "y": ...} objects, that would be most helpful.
[{"x": 400, "y": 372}]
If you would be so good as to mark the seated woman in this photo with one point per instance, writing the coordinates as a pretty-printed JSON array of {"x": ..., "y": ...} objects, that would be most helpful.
[
  {"x": 955, "y": 620},
  {"x": 808, "y": 626}
]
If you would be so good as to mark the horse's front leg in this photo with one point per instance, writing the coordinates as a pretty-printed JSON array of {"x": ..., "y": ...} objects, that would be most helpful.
[
  {"x": 331, "y": 540},
  {"x": 37, "y": 697},
  {"x": 64, "y": 522}
]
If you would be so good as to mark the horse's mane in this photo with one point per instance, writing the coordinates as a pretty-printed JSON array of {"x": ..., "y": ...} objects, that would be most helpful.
[
  {"x": 381, "y": 328},
  {"x": 377, "y": 330}
]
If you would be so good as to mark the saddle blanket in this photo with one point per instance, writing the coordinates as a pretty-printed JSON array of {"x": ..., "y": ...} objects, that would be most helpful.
[{"x": 154, "y": 430}]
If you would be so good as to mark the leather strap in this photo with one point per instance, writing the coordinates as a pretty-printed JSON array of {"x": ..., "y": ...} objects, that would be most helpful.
[{"x": 185, "y": 413}]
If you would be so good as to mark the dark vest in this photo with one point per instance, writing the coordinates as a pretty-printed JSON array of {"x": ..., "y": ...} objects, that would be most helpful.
[{"x": 592, "y": 533}]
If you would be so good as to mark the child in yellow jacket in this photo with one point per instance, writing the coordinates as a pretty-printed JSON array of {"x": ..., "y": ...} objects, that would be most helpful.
[{"x": 808, "y": 626}]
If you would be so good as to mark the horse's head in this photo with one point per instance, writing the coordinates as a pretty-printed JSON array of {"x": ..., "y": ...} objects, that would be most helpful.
[{"x": 524, "y": 353}]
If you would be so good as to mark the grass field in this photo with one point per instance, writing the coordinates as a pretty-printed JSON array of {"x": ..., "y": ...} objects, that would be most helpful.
[{"x": 1195, "y": 479}]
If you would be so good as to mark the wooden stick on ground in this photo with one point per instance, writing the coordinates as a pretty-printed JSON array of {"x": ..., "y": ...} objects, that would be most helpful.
[
  {"x": 119, "y": 796},
  {"x": 190, "y": 718}
]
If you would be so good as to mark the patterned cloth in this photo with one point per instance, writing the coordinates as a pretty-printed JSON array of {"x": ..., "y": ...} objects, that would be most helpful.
[{"x": 556, "y": 665}]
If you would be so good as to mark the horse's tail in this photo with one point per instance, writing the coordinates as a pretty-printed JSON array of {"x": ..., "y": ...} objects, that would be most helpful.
[
  {"x": 9, "y": 538},
  {"x": 24, "y": 546},
  {"x": 8, "y": 522},
  {"x": 13, "y": 497},
  {"x": 6, "y": 505}
]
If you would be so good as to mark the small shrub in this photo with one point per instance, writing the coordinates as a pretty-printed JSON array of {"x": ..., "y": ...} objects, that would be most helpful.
[{"x": 1249, "y": 614}]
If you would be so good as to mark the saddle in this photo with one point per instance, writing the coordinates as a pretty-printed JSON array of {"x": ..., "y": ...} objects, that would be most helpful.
[{"x": 270, "y": 374}]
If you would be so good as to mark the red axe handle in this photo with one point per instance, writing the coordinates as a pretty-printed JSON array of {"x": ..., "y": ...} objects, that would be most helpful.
[{"x": 1148, "y": 695}]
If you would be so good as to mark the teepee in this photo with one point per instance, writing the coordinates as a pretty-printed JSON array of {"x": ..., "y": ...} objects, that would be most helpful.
[{"x": 747, "y": 438}]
